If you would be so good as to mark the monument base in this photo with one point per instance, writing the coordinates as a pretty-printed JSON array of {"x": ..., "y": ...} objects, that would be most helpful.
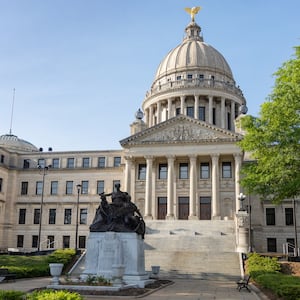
[{"x": 105, "y": 250}]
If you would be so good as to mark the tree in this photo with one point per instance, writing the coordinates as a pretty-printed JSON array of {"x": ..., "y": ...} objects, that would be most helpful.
[{"x": 273, "y": 139}]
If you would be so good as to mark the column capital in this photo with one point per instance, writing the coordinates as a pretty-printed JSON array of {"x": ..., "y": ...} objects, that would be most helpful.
[
  {"x": 193, "y": 157},
  {"x": 149, "y": 157},
  {"x": 128, "y": 157},
  {"x": 238, "y": 157},
  {"x": 215, "y": 156},
  {"x": 171, "y": 157}
]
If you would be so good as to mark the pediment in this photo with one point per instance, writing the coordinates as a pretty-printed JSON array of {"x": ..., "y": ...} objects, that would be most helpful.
[{"x": 181, "y": 129}]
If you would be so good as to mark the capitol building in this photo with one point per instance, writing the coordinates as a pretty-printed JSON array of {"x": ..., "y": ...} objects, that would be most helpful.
[{"x": 180, "y": 163}]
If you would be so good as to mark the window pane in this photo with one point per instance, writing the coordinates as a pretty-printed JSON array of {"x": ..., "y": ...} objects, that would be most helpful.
[
  {"x": 270, "y": 216},
  {"x": 83, "y": 216},
  {"x": 34, "y": 242},
  {"x": 100, "y": 186},
  {"x": 39, "y": 188},
  {"x": 271, "y": 245},
  {"x": 69, "y": 187},
  {"x": 55, "y": 163},
  {"x": 86, "y": 162},
  {"x": 82, "y": 241},
  {"x": 50, "y": 241},
  {"x": 183, "y": 171},
  {"x": 202, "y": 113},
  {"x": 190, "y": 111},
  {"x": 101, "y": 162},
  {"x": 226, "y": 170},
  {"x": 84, "y": 187},
  {"x": 142, "y": 172},
  {"x": 163, "y": 171},
  {"x": 68, "y": 216},
  {"x": 41, "y": 163},
  {"x": 20, "y": 241},
  {"x": 26, "y": 163},
  {"x": 54, "y": 186},
  {"x": 289, "y": 216},
  {"x": 117, "y": 161},
  {"x": 52, "y": 215},
  {"x": 24, "y": 188},
  {"x": 22, "y": 215},
  {"x": 70, "y": 163},
  {"x": 66, "y": 241},
  {"x": 36, "y": 216},
  {"x": 204, "y": 171}
]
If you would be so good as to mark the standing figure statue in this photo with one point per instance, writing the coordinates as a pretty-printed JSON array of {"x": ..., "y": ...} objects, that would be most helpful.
[
  {"x": 121, "y": 215},
  {"x": 192, "y": 11}
]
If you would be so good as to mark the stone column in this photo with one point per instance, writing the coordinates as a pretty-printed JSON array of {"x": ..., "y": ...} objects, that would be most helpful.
[
  {"x": 148, "y": 188},
  {"x": 210, "y": 109},
  {"x": 182, "y": 105},
  {"x": 232, "y": 115},
  {"x": 150, "y": 116},
  {"x": 153, "y": 193},
  {"x": 127, "y": 183},
  {"x": 170, "y": 188},
  {"x": 237, "y": 170},
  {"x": 158, "y": 112},
  {"x": 215, "y": 186},
  {"x": 132, "y": 180},
  {"x": 147, "y": 117},
  {"x": 169, "y": 109},
  {"x": 196, "y": 107},
  {"x": 193, "y": 187},
  {"x": 223, "y": 112}
]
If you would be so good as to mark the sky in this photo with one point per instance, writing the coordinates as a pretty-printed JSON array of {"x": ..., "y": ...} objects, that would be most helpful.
[{"x": 81, "y": 68}]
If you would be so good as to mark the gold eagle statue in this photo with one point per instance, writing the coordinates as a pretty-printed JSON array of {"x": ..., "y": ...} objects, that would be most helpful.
[{"x": 192, "y": 11}]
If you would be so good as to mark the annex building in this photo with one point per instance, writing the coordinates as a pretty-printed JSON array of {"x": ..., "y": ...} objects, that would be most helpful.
[{"x": 181, "y": 163}]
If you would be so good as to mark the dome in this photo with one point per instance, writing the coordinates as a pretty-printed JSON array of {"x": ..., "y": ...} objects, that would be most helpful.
[{"x": 12, "y": 142}]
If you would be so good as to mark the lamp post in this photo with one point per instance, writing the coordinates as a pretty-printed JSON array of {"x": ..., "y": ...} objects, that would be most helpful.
[
  {"x": 77, "y": 209},
  {"x": 43, "y": 170},
  {"x": 241, "y": 197}
]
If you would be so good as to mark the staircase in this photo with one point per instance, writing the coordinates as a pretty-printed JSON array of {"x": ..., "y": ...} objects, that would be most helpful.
[{"x": 192, "y": 249}]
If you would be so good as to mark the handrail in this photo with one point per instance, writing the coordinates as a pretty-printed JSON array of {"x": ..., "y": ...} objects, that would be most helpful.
[
  {"x": 287, "y": 246},
  {"x": 48, "y": 244}
]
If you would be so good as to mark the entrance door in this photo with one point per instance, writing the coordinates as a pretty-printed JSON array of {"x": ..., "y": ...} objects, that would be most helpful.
[
  {"x": 205, "y": 208},
  {"x": 184, "y": 208},
  {"x": 162, "y": 208}
]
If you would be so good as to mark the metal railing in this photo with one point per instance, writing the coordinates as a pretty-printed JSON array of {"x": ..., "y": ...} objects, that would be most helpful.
[{"x": 289, "y": 249}]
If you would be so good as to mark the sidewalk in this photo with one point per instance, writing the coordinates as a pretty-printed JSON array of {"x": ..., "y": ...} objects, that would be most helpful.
[{"x": 190, "y": 289}]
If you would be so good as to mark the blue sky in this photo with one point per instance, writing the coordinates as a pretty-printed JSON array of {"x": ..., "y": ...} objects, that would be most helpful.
[{"x": 81, "y": 68}]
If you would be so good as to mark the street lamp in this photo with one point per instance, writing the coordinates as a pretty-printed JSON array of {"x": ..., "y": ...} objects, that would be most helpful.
[
  {"x": 77, "y": 209},
  {"x": 241, "y": 197},
  {"x": 43, "y": 170}
]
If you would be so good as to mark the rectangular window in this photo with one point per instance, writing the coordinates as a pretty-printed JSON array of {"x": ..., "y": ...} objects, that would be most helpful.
[
  {"x": 51, "y": 242},
  {"x": 162, "y": 171},
  {"x": 2, "y": 159},
  {"x": 52, "y": 216},
  {"x": 20, "y": 241},
  {"x": 178, "y": 77},
  {"x": 204, "y": 171},
  {"x": 229, "y": 121},
  {"x": 201, "y": 77},
  {"x": 1, "y": 182},
  {"x": 84, "y": 187},
  {"x": 68, "y": 216},
  {"x": 142, "y": 172},
  {"x": 271, "y": 245},
  {"x": 202, "y": 113},
  {"x": 39, "y": 188},
  {"x": 86, "y": 162},
  {"x": 41, "y": 163},
  {"x": 270, "y": 216},
  {"x": 22, "y": 215},
  {"x": 83, "y": 216},
  {"x": 289, "y": 216},
  {"x": 69, "y": 187},
  {"x": 183, "y": 171},
  {"x": 24, "y": 188},
  {"x": 54, "y": 187},
  {"x": 66, "y": 242},
  {"x": 177, "y": 111},
  {"x": 117, "y": 161},
  {"x": 101, "y": 162},
  {"x": 82, "y": 241},
  {"x": 55, "y": 163},
  {"x": 70, "y": 162},
  {"x": 100, "y": 186},
  {"x": 190, "y": 77},
  {"x": 26, "y": 163},
  {"x": 226, "y": 170},
  {"x": 214, "y": 116},
  {"x": 34, "y": 241},
  {"x": 36, "y": 216},
  {"x": 190, "y": 111}
]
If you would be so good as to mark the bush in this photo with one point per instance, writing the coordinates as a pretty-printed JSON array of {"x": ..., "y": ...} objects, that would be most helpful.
[
  {"x": 63, "y": 256},
  {"x": 11, "y": 295},
  {"x": 54, "y": 295}
]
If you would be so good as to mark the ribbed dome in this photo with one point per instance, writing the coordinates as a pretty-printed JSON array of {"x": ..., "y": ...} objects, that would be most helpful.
[{"x": 12, "y": 142}]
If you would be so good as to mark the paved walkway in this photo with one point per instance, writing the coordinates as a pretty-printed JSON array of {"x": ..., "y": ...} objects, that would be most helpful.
[{"x": 190, "y": 289}]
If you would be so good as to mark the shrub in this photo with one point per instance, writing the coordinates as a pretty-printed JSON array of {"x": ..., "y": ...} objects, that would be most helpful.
[
  {"x": 63, "y": 256},
  {"x": 54, "y": 295},
  {"x": 11, "y": 295}
]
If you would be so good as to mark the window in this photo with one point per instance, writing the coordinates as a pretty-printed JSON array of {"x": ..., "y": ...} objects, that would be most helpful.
[
  {"x": 41, "y": 163},
  {"x": 100, "y": 186},
  {"x": 201, "y": 77},
  {"x": 24, "y": 188},
  {"x": 54, "y": 187},
  {"x": 271, "y": 245},
  {"x": 51, "y": 242},
  {"x": 34, "y": 241},
  {"x": 190, "y": 111},
  {"x": 68, "y": 216},
  {"x": 142, "y": 172},
  {"x": 22, "y": 215},
  {"x": 162, "y": 171},
  {"x": 70, "y": 163},
  {"x": 20, "y": 241},
  {"x": 229, "y": 121},
  {"x": 214, "y": 116},
  {"x": 202, "y": 113},
  {"x": 55, "y": 163},
  {"x": 36, "y": 216},
  {"x": 52, "y": 215},
  {"x": 86, "y": 162},
  {"x": 289, "y": 216},
  {"x": 114, "y": 184},
  {"x": 204, "y": 171},
  {"x": 1, "y": 182},
  {"x": 183, "y": 171},
  {"x": 83, "y": 216},
  {"x": 66, "y": 241},
  {"x": 82, "y": 241},
  {"x": 190, "y": 77},
  {"x": 84, "y": 187},
  {"x": 178, "y": 77},
  {"x": 226, "y": 170},
  {"x": 26, "y": 163},
  {"x": 270, "y": 216},
  {"x": 177, "y": 111},
  {"x": 39, "y": 188},
  {"x": 2, "y": 159},
  {"x": 117, "y": 161},
  {"x": 69, "y": 187},
  {"x": 101, "y": 162}
]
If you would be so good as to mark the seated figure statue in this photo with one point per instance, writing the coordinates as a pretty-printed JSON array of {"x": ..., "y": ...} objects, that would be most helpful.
[{"x": 121, "y": 215}]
